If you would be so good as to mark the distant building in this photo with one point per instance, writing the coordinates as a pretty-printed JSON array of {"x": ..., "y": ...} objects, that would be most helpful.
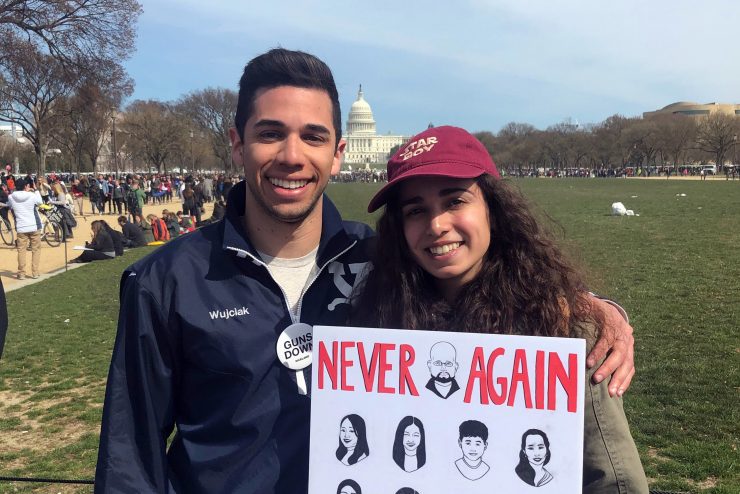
[
  {"x": 695, "y": 109},
  {"x": 364, "y": 145}
]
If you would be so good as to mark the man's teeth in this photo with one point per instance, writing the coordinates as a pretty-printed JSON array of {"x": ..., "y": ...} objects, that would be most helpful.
[
  {"x": 444, "y": 249},
  {"x": 288, "y": 184}
]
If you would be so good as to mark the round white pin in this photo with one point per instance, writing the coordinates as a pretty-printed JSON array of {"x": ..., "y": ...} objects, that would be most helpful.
[{"x": 295, "y": 346}]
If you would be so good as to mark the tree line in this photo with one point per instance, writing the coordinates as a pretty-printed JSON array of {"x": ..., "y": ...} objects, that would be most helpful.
[{"x": 669, "y": 140}]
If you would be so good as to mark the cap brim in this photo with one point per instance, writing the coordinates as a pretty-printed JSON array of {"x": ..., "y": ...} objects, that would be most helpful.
[{"x": 462, "y": 170}]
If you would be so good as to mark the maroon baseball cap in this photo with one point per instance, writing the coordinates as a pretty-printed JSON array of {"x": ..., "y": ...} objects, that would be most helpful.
[{"x": 438, "y": 151}]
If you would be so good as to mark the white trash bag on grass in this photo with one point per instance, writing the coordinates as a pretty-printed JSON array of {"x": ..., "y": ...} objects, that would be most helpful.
[{"x": 618, "y": 209}]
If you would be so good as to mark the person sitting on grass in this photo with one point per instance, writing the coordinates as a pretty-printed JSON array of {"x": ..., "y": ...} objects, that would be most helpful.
[
  {"x": 219, "y": 209},
  {"x": 186, "y": 223},
  {"x": 173, "y": 225},
  {"x": 101, "y": 246},
  {"x": 116, "y": 236},
  {"x": 159, "y": 228},
  {"x": 133, "y": 234}
]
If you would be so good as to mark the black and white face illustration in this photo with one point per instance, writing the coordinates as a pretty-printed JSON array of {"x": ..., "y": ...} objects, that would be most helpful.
[
  {"x": 443, "y": 362},
  {"x": 443, "y": 366},
  {"x": 411, "y": 439},
  {"x": 533, "y": 456},
  {"x": 473, "y": 442},
  {"x": 535, "y": 449},
  {"x": 349, "y": 486},
  {"x": 353, "y": 445},
  {"x": 473, "y": 448},
  {"x": 409, "y": 446},
  {"x": 347, "y": 434}
]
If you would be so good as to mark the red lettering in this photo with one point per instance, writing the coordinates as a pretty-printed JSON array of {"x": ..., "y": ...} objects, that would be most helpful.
[
  {"x": 477, "y": 371},
  {"x": 404, "y": 376},
  {"x": 345, "y": 364},
  {"x": 520, "y": 375},
  {"x": 496, "y": 398},
  {"x": 368, "y": 374},
  {"x": 539, "y": 376},
  {"x": 328, "y": 364},
  {"x": 569, "y": 380},
  {"x": 384, "y": 367}
]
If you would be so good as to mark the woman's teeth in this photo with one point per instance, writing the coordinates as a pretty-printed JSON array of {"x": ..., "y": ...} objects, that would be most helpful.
[{"x": 444, "y": 249}]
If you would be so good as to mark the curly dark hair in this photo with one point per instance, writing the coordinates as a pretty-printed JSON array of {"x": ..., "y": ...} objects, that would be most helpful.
[{"x": 525, "y": 285}]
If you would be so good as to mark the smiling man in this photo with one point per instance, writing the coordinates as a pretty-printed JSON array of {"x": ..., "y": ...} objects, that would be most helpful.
[
  {"x": 280, "y": 261},
  {"x": 219, "y": 349}
]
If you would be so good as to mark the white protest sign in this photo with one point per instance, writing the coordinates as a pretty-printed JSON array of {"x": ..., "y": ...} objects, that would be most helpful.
[{"x": 431, "y": 412}]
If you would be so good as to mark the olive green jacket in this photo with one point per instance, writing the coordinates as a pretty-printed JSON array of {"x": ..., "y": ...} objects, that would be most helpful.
[{"x": 611, "y": 463}]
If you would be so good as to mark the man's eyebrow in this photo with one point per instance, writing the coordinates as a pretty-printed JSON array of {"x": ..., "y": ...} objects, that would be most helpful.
[
  {"x": 318, "y": 128},
  {"x": 269, "y": 123}
]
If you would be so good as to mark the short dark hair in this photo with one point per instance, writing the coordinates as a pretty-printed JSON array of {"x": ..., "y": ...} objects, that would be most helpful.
[
  {"x": 473, "y": 428},
  {"x": 281, "y": 67}
]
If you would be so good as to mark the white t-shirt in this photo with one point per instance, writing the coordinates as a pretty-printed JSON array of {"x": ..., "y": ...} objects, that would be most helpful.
[{"x": 292, "y": 275}]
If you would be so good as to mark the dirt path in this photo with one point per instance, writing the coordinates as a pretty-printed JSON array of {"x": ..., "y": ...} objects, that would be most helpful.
[{"x": 53, "y": 258}]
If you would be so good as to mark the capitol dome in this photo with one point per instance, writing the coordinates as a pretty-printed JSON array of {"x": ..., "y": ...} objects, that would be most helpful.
[{"x": 360, "y": 119}]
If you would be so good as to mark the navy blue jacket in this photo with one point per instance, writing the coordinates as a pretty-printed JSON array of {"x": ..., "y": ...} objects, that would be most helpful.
[{"x": 195, "y": 350}]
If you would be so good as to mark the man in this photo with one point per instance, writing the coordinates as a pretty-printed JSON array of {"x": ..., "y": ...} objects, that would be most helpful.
[
  {"x": 78, "y": 194},
  {"x": 136, "y": 200},
  {"x": 443, "y": 366},
  {"x": 23, "y": 202},
  {"x": 196, "y": 347}
]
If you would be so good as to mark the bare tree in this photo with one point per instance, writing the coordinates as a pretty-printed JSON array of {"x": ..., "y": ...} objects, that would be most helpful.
[
  {"x": 79, "y": 33},
  {"x": 676, "y": 134},
  {"x": 32, "y": 85},
  {"x": 213, "y": 110},
  {"x": 91, "y": 110},
  {"x": 715, "y": 136},
  {"x": 155, "y": 131}
]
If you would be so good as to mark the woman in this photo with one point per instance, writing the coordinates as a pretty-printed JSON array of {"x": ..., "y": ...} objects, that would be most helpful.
[
  {"x": 44, "y": 189},
  {"x": 189, "y": 203},
  {"x": 533, "y": 456},
  {"x": 409, "y": 445},
  {"x": 352, "y": 440},
  {"x": 116, "y": 236},
  {"x": 349, "y": 486},
  {"x": 459, "y": 250},
  {"x": 59, "y": 198},
  {"x": 101, "y": 246}
]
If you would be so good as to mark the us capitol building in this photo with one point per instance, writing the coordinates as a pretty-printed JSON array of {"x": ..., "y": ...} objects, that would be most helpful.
[{"x": 364, "y": 145}]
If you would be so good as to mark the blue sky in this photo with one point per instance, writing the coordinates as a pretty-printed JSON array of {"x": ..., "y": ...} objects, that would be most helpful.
[{"x": 477, "y": 64}]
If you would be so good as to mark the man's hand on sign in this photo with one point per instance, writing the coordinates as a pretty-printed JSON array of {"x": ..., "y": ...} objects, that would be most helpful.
[{"x": 617, "y": 341}]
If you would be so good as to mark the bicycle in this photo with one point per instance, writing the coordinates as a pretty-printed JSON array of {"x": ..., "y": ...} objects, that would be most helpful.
[
  {"x": 6, "y": 232},
  {"x": 51, "y": 228}
]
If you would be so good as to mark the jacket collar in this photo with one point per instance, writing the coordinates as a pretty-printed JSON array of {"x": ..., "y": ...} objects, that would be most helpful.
[{"x": 334, "y": 239}]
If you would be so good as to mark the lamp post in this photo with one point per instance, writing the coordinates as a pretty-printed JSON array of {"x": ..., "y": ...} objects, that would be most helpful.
[
  {"x": 113, "y": 139},
  {"x": 192, "y": 156}
]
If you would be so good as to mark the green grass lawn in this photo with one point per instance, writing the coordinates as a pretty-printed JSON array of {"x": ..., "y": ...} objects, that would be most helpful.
[{"x": 675, "y": 268}]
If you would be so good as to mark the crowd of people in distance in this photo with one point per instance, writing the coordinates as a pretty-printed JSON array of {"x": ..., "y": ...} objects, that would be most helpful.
[{"x": 62, "y": 197}]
